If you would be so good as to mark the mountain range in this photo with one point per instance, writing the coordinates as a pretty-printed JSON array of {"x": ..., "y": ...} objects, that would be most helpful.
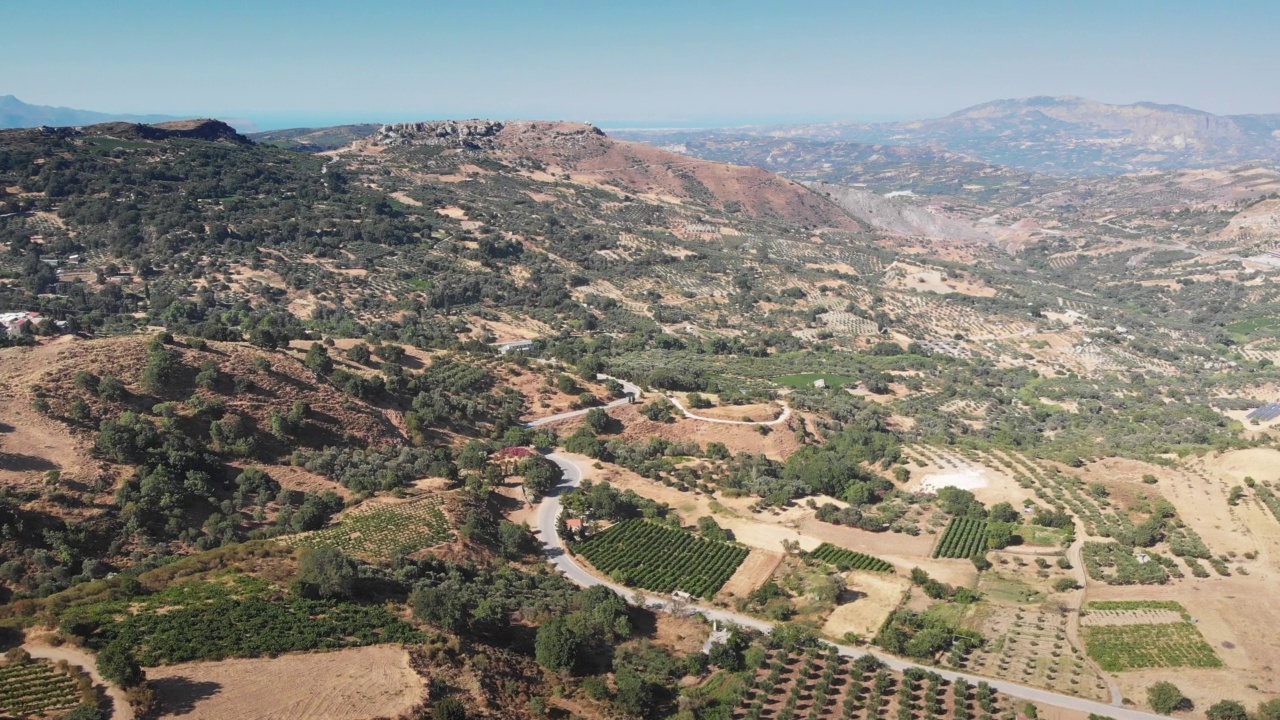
[
  {"x": 1067, "y": 136},
  {"x": 16, "y": 114}
]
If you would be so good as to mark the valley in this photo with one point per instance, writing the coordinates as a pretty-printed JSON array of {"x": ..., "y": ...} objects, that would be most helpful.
[{"x": 548, "y": 423}]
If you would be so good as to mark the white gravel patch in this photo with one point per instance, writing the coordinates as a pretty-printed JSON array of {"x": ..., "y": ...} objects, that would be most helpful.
[{"x": 969, "y": 479}]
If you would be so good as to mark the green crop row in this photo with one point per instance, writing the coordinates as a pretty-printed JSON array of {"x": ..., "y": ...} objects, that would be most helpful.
[
  {"x": 30, "y": 688},
  {"x": 386, "y": 531},
  {"x": 963, "y": 538},
  {"x": 849, "y": 559},
  {"x": 655, "y": 557}
]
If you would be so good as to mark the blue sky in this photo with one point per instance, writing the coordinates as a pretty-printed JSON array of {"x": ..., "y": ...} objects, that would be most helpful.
[{"x": 650, "y": 62}]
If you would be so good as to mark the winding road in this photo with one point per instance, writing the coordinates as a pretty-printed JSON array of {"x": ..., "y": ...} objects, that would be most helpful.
[{"x": 549, "y": 511}]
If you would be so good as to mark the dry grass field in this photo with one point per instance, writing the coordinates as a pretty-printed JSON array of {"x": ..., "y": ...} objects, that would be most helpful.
[{"x": 375, "y": 681}]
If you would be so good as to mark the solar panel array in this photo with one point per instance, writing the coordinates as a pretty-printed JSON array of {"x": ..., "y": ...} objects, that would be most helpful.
[{"x": 1267, "y": 412}]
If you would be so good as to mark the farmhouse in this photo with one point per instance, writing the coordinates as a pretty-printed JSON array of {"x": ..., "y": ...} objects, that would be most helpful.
[
  {"x": 16, "y": 323},
  {"x": 516, "y": 346}
]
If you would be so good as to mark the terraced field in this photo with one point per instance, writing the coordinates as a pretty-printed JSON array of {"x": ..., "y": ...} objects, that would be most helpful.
[{"x": 387, "y": 530}]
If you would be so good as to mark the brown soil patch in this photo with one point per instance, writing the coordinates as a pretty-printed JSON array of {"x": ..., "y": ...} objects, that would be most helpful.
[
  {"x": 681, "y": 633},
  {"x": 779, "y": 444},
  {"x": 759, "y": 412},
  {"x": 873, "y": 597},
  {"x": 374, "y": 681},
  {"x": 752, "y": 573}
]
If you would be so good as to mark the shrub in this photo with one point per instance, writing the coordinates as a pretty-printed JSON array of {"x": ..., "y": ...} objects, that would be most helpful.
[
  {"x": 1165, "y": 697},
  {"x": 449, "y": 708},
  {"x": 1227, "y": 710}
]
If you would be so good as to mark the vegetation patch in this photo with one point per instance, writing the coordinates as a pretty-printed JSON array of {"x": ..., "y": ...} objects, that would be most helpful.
[
  {"x": 964, "y": 537},
  {"x": 647, "y": 555},
  {"x": 1130, "y": 647},
  {"x": 386, "y": 531},
  {"x": 849, "y": 559},
  {"x": 34, "y": 687},
  {"x": 808, "y": 379},
  {"x": 245, "y": 617},
  {"x": 1136, "y": 605}
]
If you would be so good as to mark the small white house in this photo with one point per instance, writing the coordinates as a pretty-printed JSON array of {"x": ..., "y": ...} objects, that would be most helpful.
[
  {"x": 820, "y": 383},
  {"x": 517, "y": 346}
]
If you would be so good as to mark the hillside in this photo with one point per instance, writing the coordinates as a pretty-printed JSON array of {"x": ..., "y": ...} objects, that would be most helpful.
[
  {"x": 315, "y": 140},
  {"x": 268, "y": 414},
  {"x": 587, "y": 155}
]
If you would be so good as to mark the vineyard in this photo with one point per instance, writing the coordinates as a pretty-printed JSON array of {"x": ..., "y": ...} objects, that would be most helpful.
[
  {"x": 662, "y": 559},
  {"x": 31, "y": 688},
  {"x": 1129, "y": 647},
  {"x": 963, "y": 538},
  {"x": 386, "y": 531},
  {"x": 849, "y": 560},
  {"x": 821, "y": 685}
]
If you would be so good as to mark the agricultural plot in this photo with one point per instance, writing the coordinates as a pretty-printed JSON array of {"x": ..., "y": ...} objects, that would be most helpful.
[
  {"x": 1115, "y": 564},
  {"x": 1028, "y": 644},
  {"x": 1131, "y": 647},
  {"x": 850, "y": 560},
  {"x": 963, "y": 538},
  {"x": 654, "y": 557},
  {"x": 818, "y": 684},
  {"x": 386, "y": 531},
  {"x": 807, "y": 379},
  {"x": 34, "y": 687}
]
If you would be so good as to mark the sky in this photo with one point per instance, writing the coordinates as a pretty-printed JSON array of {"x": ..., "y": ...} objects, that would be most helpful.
[{"x": 640, "y": 63}]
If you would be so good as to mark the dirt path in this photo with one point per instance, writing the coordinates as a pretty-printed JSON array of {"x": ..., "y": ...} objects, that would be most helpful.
[
  {"x": 786, "y": 413},
  {"x": 120, "y": 708},
  {"x": 1075, "y": 554}
]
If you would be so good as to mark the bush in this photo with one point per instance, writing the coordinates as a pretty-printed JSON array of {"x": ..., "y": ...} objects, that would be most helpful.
[
  {"x": 449, "y": 709},
  {"x": 1065, "y": 585},
  {"x": 117, "y": 665},
  {"x": 1165, "y": 697},
  {"x": 1227, "y": 710}
]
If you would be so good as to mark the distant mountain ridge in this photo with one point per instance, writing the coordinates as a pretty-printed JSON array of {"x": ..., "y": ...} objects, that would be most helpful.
[
  {"x": 1066, "y": 136},
  {"x": 16, "y": 114}
]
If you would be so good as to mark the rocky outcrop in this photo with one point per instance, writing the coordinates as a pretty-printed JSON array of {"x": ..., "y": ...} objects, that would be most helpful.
[{"x": 457, "y": 132}]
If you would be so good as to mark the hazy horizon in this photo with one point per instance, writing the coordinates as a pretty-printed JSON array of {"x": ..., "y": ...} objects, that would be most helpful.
[{"x": 661, "y": 63}]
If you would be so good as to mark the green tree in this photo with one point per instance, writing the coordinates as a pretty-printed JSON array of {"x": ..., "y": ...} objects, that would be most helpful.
[
  {"x": 318, "y": 359},
  {"x": 326, "y": 573},
  {"x": 1165, "y": 697},
  {"x": 118, "y": 665},
  {"x": 598, "y": 420},
  {"x": 557, "y": 645},
  {"x": 110, "y": 388},
  {"x": 514, "y": 540},
  {"x": 161, "y": 372},
  {"x": 449, "y": 708},
  {"x": 540, "y": 475},
  {"x": 359, "y": 353}
]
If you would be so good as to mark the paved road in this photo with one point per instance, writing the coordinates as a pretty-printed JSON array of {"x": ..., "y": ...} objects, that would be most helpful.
[
  {"x": 786, "y": 413},
  {"x": 549, "y": 510},
  {"x": 631, "y": 388}
]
